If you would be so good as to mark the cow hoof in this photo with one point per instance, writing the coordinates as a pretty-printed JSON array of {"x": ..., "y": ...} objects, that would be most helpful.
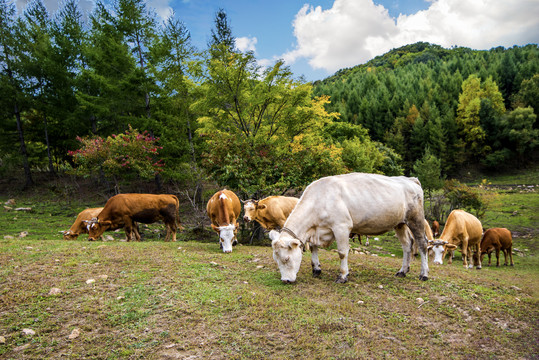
[
  {"x": 478, "y": 267},
  {"x": 512, "y": 264},
  {"x": 400, "y": 274},
  {"x": 317, "y": 272},
  {"x": 341, "y": 280},
  {"x": 423, "y": 278}
]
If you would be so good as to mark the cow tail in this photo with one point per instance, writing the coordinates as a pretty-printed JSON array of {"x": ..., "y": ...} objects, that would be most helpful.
[{"x": 178, "y": 224}]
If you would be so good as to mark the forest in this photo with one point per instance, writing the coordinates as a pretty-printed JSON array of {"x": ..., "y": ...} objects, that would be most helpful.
[{"x": 120, "y": 97}]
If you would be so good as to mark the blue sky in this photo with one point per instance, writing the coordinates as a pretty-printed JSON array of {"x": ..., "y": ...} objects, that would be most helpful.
[{"x": 318, "y": 37}]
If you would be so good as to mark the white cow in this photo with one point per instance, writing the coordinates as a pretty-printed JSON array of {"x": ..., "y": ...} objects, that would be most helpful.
[{"x": 333, "y": 207}]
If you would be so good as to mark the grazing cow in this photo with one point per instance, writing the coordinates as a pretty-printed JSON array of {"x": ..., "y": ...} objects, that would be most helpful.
[
  {"x": 123, "y": 210},
  {"x": 79, "y": 226},
  {"x": 436, "y": 228},
  {"x": 333, "y": 207},
  {"x": 461, "y": 229},
  {"x": 497, "y": 239},
  {"x": 270, "y": 212},
  {"x": 224, "y": 208}
]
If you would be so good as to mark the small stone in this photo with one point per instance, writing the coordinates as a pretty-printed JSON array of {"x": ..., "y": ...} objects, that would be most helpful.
[
  {"x": 103, "y": 277},
  {"x": 119, "y": 298},
  {"x": 213, "y": 263},
  {"x": 179, "y": 247},
  {"x": 109, "y": 238},
  {"x": 515, "y": 288},
  {"x": 517, "y": 299},
  {"x": 360, "y": 302},
  {"x": 2, "y": 340},
  {"x": 10, "y": 202},
  {"x": 392, "y": 255},
  {"x": 90, "y": 281},
  {"x": 23, "y": 234},
  {"x": 8, "y": 237},
  {"x": 477, "y": 308},
  {"x": 29, "y": 248},
  {"x": 55, "y": 291},
  {"x": 260, "y": 266},
  {"x": 102, "y": 246},
  {"x": 28, "y": 332},
  {"x": 74, "y": 334},
  {"x": 380, "y": 286},
  {"x": 245, "y": 282},
  {"x": 420, "y": 300}
]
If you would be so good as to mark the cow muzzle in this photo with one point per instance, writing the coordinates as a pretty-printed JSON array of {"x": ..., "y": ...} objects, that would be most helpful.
[
  {"x": 286, "y": 281},
  {"x": 246, "y": 218}
]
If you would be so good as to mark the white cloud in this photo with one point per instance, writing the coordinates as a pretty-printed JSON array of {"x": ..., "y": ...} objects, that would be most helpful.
[
  {"x": 246, "y": 44},
  {"x": 161, "y": 7},
  {"x": 354, "y": 31}
]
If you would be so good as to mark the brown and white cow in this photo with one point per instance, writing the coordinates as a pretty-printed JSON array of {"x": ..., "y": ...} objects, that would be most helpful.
[
  {"x": 224, "y": 208},
  {"x": 79, "y": 226},
  {"x": 270, "y": 212},
  {"x": 123, "y": 210},
  {"x": 334, "y": 207},
  {"x": 435, "y": 228},
  {"x": 497, "y": 239},
  {"x": 461, "y": 229}
]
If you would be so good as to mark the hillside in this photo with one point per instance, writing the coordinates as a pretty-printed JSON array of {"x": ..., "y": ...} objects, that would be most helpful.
[{"x": 459, "y": 103}]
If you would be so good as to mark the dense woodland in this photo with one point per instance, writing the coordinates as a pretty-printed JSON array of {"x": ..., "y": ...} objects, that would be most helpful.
[{"x": 120, "y": 96}]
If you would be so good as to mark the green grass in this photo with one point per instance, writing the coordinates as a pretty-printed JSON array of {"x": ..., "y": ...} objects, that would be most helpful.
[{"x": 189, "y": 300}]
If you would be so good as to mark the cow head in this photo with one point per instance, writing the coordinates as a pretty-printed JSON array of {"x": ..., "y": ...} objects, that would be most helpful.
[
  {"x": 440, "y": 249},
  {"x": 287, "y": 253},
  {"x": 227, "y": 237},
  {"x": 251, "y": 207},
  {"x": 69, "y": 235},
  {"x": 96, "y": 228}
]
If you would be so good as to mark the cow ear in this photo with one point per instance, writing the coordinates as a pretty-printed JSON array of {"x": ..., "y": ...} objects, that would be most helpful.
[
  {"x": 451, "y": 246},
  {"x": 274, "y": 235},
  {"x": 262, "y": 207},
  {"x": 294, "y": 244}
]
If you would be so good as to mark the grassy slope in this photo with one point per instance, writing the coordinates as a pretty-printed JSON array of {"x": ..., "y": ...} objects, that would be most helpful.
[{"x": 189, "y": 300}]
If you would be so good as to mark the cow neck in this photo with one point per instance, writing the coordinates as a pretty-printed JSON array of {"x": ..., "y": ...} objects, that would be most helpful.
[
  {"x": 296, "y": 228},
  {"x": 223, "y": 212}
]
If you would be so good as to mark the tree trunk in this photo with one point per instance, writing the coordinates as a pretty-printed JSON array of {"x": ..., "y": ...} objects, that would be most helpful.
[
  {"x": 26, "y": 166},
  {"x": 51, "y": 167}
]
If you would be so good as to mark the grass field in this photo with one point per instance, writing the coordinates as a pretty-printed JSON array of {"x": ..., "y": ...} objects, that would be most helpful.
[{"x": 188, "y": 300}]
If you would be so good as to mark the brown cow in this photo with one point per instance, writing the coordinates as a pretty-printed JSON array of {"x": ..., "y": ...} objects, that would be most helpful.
[
  {"x": 123, "y": 210},
  {"x": 224, "y": 208},
  {"x": 79, "y": 226},
  {"x": 461, "y": 229},
  {"x": 497, "y": 239},
  {"x": 435, "y": 228},
  {"x": 270, "y": 212}
]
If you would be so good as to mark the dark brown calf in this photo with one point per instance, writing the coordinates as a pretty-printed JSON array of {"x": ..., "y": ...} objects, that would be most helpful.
[
  {"x": 435, "y": 228},
  {"x": 497, "y": 239}
]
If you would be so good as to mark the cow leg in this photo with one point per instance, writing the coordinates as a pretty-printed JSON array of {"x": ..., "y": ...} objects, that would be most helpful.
[
  {"x": 343, "y": 248},
  {"x": 510, "y": 251},
  {"x": 315, "y": 262},
  {"x": 406, "y": 244},
  {"x": 128, "y": 228},
  {"x": 477, "y": 256},
  {"x": 497, "y": 257},
  {"x": 489, "y": 258},
  {"x": 418, "y": 230},
  {"x": 136, "y": 231},
  {"x": 465, "y": 253}
]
